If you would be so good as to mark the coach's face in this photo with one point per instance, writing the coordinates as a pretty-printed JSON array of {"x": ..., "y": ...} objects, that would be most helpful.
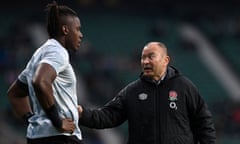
[{"x": 154, "y": 61}]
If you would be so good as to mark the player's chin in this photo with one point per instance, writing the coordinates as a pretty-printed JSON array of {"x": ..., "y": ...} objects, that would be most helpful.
[{"x": 76, "y": 48}]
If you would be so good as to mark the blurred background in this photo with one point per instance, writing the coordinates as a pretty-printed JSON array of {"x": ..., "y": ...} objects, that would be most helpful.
[{"x": 203, "y": 38}]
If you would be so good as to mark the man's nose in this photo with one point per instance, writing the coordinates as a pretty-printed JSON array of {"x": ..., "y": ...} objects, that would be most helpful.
[
  {"x": 81, "y": 35},
  {"x": 145, "y": 60}
]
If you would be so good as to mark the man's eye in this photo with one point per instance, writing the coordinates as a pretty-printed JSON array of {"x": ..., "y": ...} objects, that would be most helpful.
[{"x": 151, "y": 56}]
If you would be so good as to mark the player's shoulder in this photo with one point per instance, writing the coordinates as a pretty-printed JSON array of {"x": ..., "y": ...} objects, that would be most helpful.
[{"x": 54, "y": 47}]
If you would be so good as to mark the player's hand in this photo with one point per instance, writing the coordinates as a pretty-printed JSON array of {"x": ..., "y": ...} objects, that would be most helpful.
[{"x": 68, "y": 125}]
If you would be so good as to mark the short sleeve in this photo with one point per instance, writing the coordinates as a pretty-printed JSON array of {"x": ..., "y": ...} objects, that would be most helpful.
[
  {"x": 56, "y": 57},
  {"x": 23, "y": 76}
]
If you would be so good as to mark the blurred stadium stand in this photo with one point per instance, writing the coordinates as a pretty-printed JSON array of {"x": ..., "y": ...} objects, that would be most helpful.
[{"x": 114, "y": 33}]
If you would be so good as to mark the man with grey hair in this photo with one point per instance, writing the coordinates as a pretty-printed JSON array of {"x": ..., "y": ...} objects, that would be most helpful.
[{"x": 162, "y": 106}]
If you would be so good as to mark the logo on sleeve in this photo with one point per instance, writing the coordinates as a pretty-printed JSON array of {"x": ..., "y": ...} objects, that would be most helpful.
[{"x": 172, "y": 97}]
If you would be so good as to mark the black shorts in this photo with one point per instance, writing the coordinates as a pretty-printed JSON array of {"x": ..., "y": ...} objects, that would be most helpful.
[{"x": 62, "y": 139}]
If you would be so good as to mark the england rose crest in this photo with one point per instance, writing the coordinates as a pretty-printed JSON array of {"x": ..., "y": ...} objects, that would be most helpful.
[{"x": 172, "y": 95}]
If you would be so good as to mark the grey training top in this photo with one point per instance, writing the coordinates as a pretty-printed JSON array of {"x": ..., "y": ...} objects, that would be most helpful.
[{"x": 64, "y": 90}]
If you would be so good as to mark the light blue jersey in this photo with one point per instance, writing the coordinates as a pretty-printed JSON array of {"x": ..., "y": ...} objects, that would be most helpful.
[{"x": 64, "y": 90}]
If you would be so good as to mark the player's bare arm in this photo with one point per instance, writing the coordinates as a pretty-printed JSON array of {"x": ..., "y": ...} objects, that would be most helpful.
[
  {"x": 19, "y": 99},
  {"x": 42, "y": 82}
]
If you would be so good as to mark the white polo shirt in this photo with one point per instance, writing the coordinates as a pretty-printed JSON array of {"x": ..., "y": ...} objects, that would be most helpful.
[{"x": 64, "y": 90}]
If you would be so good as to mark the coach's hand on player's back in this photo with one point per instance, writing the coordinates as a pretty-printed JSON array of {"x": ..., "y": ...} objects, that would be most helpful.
[
  {"x": 80, "y": 110},
  {"x": 68, "y": 125}
]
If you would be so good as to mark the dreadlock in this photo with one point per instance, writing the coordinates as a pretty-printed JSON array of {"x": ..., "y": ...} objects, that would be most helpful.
[{"x": 54, "y": 12}]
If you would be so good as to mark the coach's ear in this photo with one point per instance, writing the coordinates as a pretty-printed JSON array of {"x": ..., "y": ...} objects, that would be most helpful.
[
  {"x": 65, "y": 29},
  {"x": 166, "y": 60}
]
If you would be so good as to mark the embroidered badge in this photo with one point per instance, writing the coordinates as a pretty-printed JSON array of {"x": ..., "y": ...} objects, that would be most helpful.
[
  {"x": 142, "y": 96},
  {"x": 172, "y": 96}
]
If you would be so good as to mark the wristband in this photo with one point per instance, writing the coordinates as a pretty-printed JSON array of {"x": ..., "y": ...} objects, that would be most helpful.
[
  {"x": 26, "y": 116},
  {"x": 52, "y": 114}
]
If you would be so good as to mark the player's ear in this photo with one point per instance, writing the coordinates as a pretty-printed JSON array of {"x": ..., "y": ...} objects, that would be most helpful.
[{"x": 65, "y": 29}]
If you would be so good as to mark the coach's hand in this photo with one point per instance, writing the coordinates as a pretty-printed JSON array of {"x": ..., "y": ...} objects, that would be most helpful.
[
  {"x": 68, "y": 125},
  {"x": 80, "y": 110}
]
